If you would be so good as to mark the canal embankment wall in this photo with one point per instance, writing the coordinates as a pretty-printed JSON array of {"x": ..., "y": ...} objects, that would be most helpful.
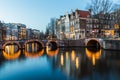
[
  {"x": 106, "y": 44},
  {"x": 111, "y": 44},
  {"x": 72, "y": 43}
]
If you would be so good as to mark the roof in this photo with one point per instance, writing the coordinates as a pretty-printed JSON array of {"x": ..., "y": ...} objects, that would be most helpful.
[{"x": 83, "y": 14}]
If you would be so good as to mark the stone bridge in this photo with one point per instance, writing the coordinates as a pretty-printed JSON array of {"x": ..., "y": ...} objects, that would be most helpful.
[
  {"x": 22, "y": 43},
  {"x": 55, "y": 43}
]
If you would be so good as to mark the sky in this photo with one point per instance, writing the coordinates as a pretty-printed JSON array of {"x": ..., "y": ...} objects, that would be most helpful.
[{"x": 36, "y": 14}]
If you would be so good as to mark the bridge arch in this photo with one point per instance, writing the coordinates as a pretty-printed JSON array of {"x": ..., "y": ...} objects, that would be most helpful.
[
  {"x": 93, "y": 42},
  {"x": 52, "y": 44},
  {"x": 11, "y": 43},
  {"x": 31, "y": 41}
]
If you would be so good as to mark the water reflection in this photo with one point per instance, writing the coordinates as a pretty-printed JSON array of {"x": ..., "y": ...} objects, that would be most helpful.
[
  {"x": 11, "y": 52},
  {"x": 34, "y": 54},
  {"x": 32, "y": 47},
  {"x": 73, "y": 55},
  {"x": 77, "y": 62},
  {"x": 67, "y": 63},
  {"x": 52, "y": 52},
  {"x": 11, "y": 48},
  {"x": 94, "y": 55},
  {"x": 33, "y": 50},
  {"x": 61, "y": 60}
]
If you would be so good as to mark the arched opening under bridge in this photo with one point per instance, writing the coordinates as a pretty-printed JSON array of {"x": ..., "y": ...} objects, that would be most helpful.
[
  {"x": 52, "y": 45},
  {"x": 33, "y": 45},
  {"x": 93, "y": 45}
]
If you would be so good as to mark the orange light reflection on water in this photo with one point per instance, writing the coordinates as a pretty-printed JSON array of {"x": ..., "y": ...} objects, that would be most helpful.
[
  {"x": 77, "y": 62},
  {"x": 52, "y": 53},
  {"x": 93, "y": 55},
  {"x": 62, "y": 59},
  {"x": 33, "y": 55},
  {"x": 73, "y": 55},
  {"x": 10, "y": 54}
]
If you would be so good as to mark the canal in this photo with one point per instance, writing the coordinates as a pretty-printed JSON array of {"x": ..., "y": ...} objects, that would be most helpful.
[{"x": 34, "y": 63}]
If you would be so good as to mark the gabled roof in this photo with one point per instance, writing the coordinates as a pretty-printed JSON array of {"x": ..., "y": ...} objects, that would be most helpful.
[{"x": 82, "y": 13}]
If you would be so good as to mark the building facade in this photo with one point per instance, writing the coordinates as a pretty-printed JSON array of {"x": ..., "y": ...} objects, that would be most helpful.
[
  {"x": 101, "y": 25},
  {"x": 81, "y": 24},
  {"x": 35, "y": 34},
  {"x": 1, "y": 27},
  {"x": 13, "y": 31},
  {"x": 10, "y": 31},
  {"x": 17, "y": 31},
  {"x": 73, "y": 25},
  {"x": 28, "y": 33},
  {"x": 21, "y": 31}
]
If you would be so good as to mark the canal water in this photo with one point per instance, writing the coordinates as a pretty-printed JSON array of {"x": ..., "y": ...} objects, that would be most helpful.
[{"x": 34, "y": 63}]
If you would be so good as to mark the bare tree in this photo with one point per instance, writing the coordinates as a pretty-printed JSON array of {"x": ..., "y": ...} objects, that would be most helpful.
[
  {"x": 98, "y": 6},
  {"x": 51, "y": 27},
  {"x": 42, "y": 35},
  {"x": 100, "y": 9},
  {"x": 47, "y": 32},
  {"x": 117, "y": 14}
]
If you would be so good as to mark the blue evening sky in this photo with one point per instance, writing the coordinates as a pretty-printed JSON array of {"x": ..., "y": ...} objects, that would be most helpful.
[{"x": 37, "y": 13}]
